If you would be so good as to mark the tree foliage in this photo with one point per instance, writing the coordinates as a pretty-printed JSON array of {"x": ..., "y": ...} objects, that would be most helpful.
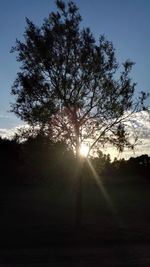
[{"x": 70, "y": 84}]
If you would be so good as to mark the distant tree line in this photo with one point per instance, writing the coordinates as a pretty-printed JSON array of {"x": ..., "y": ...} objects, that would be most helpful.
[
  {"x": 122, "y": 170},
  {"x": 40, "y": 159},
  {"x": 139, "y": 166}
]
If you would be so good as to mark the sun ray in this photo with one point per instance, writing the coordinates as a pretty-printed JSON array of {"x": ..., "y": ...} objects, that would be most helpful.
[{"x": 105, "y": 194}]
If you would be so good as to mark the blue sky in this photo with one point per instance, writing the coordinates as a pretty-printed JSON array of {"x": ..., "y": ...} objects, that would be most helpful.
[{"x": 124, "y": 22}]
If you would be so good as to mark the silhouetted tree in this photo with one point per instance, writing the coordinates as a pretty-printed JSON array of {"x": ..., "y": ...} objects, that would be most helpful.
[
  {"x": 9, "y": 161},
  {"x": 139, "y": 166},
  {"x": 43, "y": 159},
  {"x": 131, "y": 169},
  {"x": 68, "y": 82},
  {"x": 101, "y": 163}
]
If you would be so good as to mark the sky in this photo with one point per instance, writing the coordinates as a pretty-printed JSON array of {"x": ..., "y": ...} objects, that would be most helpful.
[{"x": 124, "y": 22}]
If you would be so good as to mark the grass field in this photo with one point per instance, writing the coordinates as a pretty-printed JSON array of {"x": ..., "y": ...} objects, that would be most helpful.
[{"x": 37, "y": 225}]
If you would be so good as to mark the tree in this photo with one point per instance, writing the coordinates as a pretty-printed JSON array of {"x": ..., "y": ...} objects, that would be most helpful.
[
  {"x": 69, "y": 83},
  {"x": 9, "y": 161},
  {"x": 42, "y": 159}
]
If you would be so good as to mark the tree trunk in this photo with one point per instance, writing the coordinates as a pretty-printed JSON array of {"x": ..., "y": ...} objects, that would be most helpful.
[{"x": 79, "y": 192}]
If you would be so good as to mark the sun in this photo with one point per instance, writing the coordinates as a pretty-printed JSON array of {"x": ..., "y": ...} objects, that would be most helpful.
[{"x": 84, "y": 150}]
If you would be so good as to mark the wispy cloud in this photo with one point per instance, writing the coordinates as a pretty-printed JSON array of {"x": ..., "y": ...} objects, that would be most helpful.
[
  {"x": 4, "y": 116},
  {"x": 8, "y": 121},
  {"x": 140, "y": 126}
]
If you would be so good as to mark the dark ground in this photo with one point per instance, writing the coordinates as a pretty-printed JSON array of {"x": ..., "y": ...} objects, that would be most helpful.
[{"x": 37, "y": 226}]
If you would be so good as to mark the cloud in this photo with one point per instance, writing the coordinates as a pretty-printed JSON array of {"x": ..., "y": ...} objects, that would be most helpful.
[
  {"x": 9, "y": 133},
  {"x": 8, "y": 121},
  {"x": 4, "y": 116},
  {"x": 139, "y": 125}
]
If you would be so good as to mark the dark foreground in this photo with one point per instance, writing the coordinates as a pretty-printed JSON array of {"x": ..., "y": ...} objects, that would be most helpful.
[
  {"x": 131, "y": 255},
  {"x": 37, "y": 226}
]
